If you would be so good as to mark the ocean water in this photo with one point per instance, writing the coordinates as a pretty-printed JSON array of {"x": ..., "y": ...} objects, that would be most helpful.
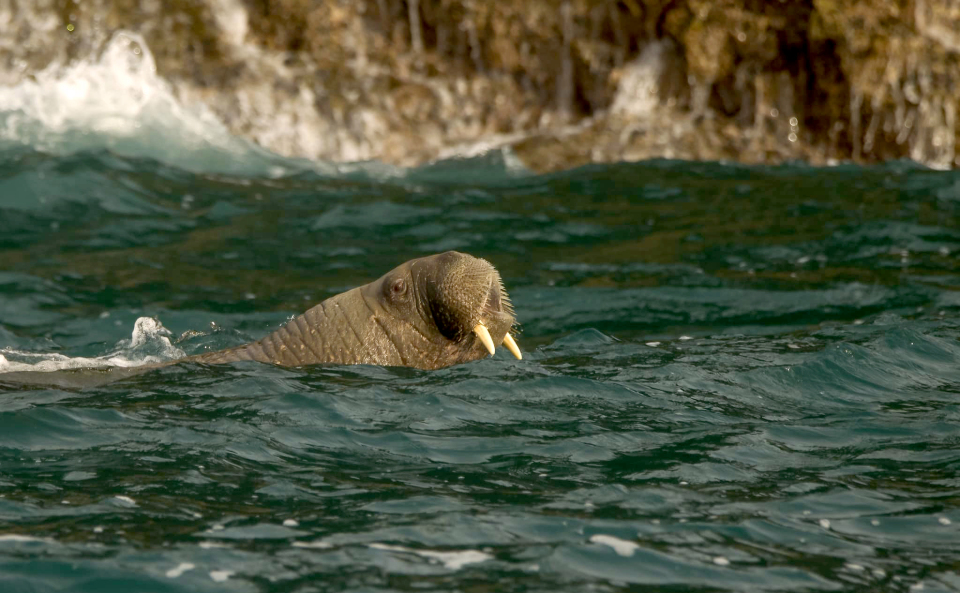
[{"x": 734, "y": 378}]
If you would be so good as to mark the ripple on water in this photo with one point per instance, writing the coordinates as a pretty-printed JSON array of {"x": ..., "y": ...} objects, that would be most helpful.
[{"x": 725, "y": 386}]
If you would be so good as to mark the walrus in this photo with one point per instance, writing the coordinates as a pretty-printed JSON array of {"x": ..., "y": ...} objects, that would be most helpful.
[{"x": 427, "y": 313}]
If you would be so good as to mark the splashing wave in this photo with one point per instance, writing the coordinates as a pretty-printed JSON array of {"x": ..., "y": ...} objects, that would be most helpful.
[{"x": 149, "y": 343}]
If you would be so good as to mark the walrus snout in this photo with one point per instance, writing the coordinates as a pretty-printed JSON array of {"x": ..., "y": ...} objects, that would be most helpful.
[{"x": 467, "y": 297}]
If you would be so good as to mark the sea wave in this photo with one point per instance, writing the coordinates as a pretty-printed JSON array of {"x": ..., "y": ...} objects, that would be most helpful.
[{"x": 116, "y": 101}]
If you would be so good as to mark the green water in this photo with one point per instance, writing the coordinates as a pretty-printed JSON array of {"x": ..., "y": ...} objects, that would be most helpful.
[{"x": 734, "y": 379}]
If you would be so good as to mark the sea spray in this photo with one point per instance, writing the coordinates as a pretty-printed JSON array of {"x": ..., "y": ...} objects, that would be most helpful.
[
  {"x": 148, "y": 344},
  {"x": 116, "y": 101}
]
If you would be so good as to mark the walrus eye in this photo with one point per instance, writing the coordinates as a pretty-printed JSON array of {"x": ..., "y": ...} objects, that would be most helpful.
[{"x": 398, "y": 287}]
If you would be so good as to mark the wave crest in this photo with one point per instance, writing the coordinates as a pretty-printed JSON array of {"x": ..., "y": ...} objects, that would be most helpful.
[{"x": 117, "y": 102}]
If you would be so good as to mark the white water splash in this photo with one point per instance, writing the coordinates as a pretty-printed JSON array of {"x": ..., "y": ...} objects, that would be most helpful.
[
  {"x": 118, "y": 102},
  {"x": 149, "y": 343},
  {"x": 638, "y": 92}
]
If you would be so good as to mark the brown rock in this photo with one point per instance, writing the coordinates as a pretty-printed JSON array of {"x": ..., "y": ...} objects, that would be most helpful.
[{"x": 406, "y": 81}]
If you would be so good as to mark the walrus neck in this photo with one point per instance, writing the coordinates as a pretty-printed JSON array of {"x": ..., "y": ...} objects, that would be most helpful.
[{"x": 326, "y": 333}]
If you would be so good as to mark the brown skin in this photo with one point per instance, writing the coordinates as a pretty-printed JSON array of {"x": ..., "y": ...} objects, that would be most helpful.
[{"x": 421, "y": 314}]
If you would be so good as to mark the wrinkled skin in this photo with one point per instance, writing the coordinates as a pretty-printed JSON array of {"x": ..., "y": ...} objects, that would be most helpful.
[{"x": 421, "y": 314}]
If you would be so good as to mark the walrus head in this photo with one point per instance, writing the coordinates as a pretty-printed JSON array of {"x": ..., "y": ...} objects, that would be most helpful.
[
  {"x": 427, "y": 313},
  {"x": 442, "y": 310}
]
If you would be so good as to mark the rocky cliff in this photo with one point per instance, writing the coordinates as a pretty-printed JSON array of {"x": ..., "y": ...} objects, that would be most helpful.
[{"x": 563, "y": 82}]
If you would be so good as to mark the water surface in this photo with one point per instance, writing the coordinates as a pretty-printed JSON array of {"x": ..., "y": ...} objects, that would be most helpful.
[{"x": 734, "y": 378}]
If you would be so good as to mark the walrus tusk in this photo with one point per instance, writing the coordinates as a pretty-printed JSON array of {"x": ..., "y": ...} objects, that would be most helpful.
[
  {"x": 511, "y": 345},
  {"x": 484, "y": 335}
]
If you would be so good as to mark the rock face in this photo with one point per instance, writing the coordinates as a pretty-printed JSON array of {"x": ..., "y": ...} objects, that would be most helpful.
[{"x": 563, "y": 82}]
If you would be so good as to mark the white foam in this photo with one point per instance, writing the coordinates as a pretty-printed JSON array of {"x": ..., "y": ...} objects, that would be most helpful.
[
  {"x": 180, "y": 569},
  {"x": 317, "y": 545},
  {"x": 125, "y": 500},
  {"x": 620, "y": 546},
  {"x": 456, "y": 560},
  {"x": 221, "y": 576},
  {"x": 451, "y": 560},
  {"x": 11, "y": 537},
  {"x": 854, "y": 567},
  {"x": 148, "y": 344},
  {"x": 116, "y": 101},
  {"x": 208, "y": 545}
]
